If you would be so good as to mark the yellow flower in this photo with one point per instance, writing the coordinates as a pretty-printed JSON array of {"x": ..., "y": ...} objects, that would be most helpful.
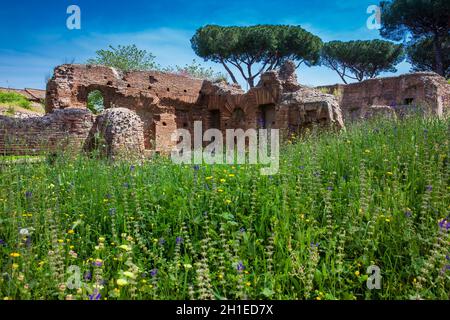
[
  {"x": 387, "y": 220},
  {"x": 101, "y": 239},
  {"x": 209, "y": 178},
  {"x": 228, "y": 201},
  {"x": 248, "y": 284},
  {"x": 219, "y": 190},
  {"x": 15, "y": 266},
  {"x": 129, "y": 274},
  {"x": 223, "y": 180},
  {"x": 357, "y": 273},
  {"x": 15, "y": 255},
  {"x": 70, "y": 231},
  {"x": 367, "y": 151},
  {"x": 318, "y": 298},
  {"x": 231, "y": 175},
  {"x": 389, "y": 173},
  {"x": 125, "y": 247},
  {"x": 220, "y": 276},
  {"x": 121, "y": 282}
]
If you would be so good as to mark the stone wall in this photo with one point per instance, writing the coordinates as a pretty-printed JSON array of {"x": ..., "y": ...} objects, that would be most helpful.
[
  {"x": 424, "y": 91},
  {"x": 166, "y": 102},
  {"x": 62, "y": 129}
]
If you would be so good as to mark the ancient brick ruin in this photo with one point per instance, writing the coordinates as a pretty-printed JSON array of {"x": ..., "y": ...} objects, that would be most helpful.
[
  {"x": 422, "y": 91},
  {"x": 144, "y": 108}
]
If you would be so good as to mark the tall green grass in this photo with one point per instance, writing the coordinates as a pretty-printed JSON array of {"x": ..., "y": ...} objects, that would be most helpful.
[
  {"x": 14, "y": 99},
  {"x": 375, "y": 194}
]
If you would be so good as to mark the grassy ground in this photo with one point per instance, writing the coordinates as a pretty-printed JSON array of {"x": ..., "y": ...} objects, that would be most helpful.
[
  {"x": 375, "y": 195},
  {"x": 12, "y": 102}
]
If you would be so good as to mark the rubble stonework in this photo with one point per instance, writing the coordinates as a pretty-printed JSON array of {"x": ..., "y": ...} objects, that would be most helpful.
[
  {"x": 424, "y": 91},
  {"x": 144, "y": 108},
  {"x": 121, "y": 133}
]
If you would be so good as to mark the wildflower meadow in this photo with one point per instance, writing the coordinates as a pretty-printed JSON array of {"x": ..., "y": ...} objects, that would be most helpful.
[{"x": 375, "y": 196}]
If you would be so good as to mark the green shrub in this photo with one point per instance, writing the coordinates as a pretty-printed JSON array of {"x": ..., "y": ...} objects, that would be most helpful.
[{"x": 14, "y": 99}]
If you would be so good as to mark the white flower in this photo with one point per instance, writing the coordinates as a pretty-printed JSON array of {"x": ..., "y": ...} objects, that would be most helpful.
[{"x": 24, "y": 232}]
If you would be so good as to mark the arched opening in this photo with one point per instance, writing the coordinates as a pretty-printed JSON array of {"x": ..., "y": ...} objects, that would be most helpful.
[{"x": 95, "y": 102}]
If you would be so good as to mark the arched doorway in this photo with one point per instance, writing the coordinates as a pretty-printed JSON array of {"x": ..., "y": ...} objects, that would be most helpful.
[{"x": 95, "y": 101}]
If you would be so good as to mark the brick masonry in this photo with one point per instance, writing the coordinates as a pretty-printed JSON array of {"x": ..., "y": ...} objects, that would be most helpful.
[{"x": 152, "y": 105}]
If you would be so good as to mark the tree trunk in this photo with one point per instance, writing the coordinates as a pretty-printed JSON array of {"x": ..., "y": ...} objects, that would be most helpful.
[
  {"x": 233, "y": 78},
  {"x": 437, "y": 46}
]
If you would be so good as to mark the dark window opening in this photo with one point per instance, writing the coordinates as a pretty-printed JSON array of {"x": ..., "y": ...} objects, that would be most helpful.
[
  {"x": 164, "y": 124},
  {"x": 152, "y": 79},
  {"x": 185, "y": 124},
  {"x": 168, "y": 89},
  {"x": 185, "y": 90},
  {"x": 409, "y": 101},
  {"x": 214, "y": 119},
  {"x": 109, "y": 83},
  {"x": 128, "y": 85},
  {"x": 267, "y": 116}
]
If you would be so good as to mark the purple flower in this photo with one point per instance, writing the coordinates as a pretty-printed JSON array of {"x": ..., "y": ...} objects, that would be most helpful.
[
  {"x": 330, "y": 188},
  {"x": 162, "y": 241},
  {"x": 28, "y": 194},
  {"x": 240, "y": 266},
  {"x": 445, "y": 268},
  {"x": 154, "y": 272},
  {"x": 95, "y": 295},
  {"x": 242, "y": 230},
  {"x": 408, "y": 213},
  {"x": 87, "y": 276},
  {"x": 97, "y": 263},
  {"x": 314, "y": 245},
  {"x": 132, "y": 168},
  {"x": 108, "y": 196},
  {"x": 196, "y": 167},
  {"x": 447, "y": 257},
  {"x": 2, "y": 242},
  {"x": 444, "y": 223},
  {"x": 429, "y": 188},
  {"x": 179, "y": 240}
]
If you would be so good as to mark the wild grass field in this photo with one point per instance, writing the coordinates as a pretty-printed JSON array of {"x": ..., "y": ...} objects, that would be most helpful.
[{"x": 377, "y": 194}]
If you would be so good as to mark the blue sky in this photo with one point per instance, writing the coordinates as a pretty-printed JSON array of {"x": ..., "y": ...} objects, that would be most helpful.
[{"x": 35, "y": 39}]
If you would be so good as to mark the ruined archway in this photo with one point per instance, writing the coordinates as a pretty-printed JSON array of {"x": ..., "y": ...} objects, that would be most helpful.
[{"x": 95, "y": 101}]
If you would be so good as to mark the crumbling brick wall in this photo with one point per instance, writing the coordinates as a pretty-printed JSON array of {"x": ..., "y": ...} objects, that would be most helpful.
[
  {"x": 425, "y": 90},
  {"x": 166, "y": 102},
  {"x": 62, "y": 129}
]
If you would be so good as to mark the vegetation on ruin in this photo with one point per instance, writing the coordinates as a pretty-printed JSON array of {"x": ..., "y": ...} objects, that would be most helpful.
[
  {"x": 375, "y": 194},
  {"x": 360, "y": 60},
  {"x": 125, "y": 58}
]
